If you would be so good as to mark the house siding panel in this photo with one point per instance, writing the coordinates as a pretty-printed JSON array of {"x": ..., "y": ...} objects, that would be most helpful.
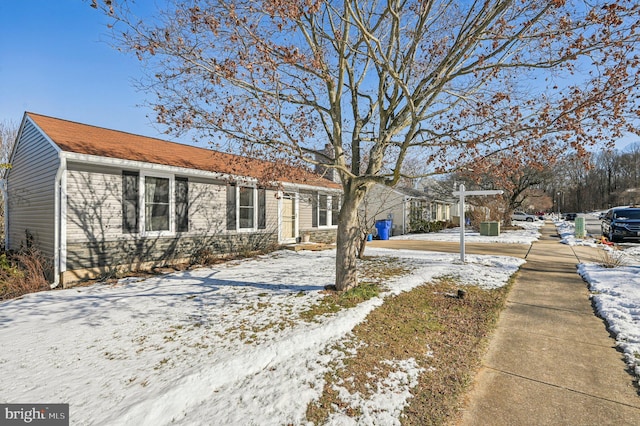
[
  {"x": 304, "y": 211},
  {"x": 31, "y": 191},
  {"x": 109, "y": 256},
  {"x": 207, "y": 207},
  {"x": 94, "y": 204},
  {"x": 272, "y": 210},
  {"x": 381, "y": 203},
  {"x": 94, "y": 225}
]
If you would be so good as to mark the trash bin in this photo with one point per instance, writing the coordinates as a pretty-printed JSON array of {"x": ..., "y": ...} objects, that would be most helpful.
[{"x": 383, "y": 227}]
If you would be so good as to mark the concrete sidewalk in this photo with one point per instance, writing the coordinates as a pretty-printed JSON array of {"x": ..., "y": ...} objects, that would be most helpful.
[{"x": 551, "y": 360}]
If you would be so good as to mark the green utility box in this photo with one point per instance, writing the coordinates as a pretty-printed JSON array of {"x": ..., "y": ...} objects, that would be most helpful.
[
  {"x": 581, "y": 231},
  {"x": 490, "y": 229}
]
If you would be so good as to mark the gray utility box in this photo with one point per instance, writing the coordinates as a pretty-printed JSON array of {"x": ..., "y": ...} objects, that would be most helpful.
[
  {"x": 580, "y": 230},
  {"x": 490, "y": 229}
]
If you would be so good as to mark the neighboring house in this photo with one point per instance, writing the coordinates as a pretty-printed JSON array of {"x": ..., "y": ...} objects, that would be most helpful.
[
  {"x": 405, "y": 207},
  {"x": 93, "y": 199}
]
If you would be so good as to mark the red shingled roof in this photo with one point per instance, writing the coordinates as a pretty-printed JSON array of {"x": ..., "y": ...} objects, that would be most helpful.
[{"x": 86, "y": 139}]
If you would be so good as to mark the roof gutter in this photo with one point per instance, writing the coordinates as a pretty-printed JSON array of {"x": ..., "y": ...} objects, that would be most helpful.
[{"x": 60, "y": 214}]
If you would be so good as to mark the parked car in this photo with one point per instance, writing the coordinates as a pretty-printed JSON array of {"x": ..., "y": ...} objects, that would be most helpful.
[
  {"x": 523, "y": 216},
  {"x": 570, "y": 216},
  {"x": 621, "y": 224}
]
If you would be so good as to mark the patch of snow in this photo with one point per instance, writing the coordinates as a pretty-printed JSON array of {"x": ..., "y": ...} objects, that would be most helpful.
[
  {"x": 220, "y": 345},
  {"x": 528, "y": 234}
]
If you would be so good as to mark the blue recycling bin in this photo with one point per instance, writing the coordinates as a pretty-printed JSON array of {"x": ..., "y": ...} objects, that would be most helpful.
[{"x": 384, "y": 228}]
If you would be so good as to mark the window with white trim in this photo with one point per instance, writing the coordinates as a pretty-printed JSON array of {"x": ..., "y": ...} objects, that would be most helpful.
[
  {"x": 246, "y": 208},
  {"x": 160, "y": 205},
  {"x": 156, "y": 204},
  {"x": 324, "y": 209}
]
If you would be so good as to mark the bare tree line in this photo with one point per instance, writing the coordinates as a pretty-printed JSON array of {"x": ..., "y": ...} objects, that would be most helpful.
[{"x": 609, "y": 178}]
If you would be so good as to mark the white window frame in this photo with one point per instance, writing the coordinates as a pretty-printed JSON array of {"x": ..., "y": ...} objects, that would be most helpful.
[
  {"x": 254, "y": 193},
  {"x": 143, "y": 208},
  {"x": 328, "y": 209},
  {"x": 255, "y": 227}
]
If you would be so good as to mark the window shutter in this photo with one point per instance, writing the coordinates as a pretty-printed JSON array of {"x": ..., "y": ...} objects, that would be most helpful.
[
  {"x": 314, "y": 209},
  {"x": 335, "y": 209},
  {"x": 182, "y": 204},
  {"x": 231, "y": 207},
  {"x": 262, "y": 208},
  {"x": 130, "y": 203}
]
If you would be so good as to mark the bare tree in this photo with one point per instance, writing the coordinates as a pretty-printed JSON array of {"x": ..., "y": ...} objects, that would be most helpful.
[
  {"x": 382, "y": 81},
  {"x": 517, "y": 177},
  {"x": 8, "y": 135}
]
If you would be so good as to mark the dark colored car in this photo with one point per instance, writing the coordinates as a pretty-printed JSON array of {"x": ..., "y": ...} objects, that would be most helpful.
[
  {"x": 621, "y": 224},
  {"x": 570, "y": 216}
]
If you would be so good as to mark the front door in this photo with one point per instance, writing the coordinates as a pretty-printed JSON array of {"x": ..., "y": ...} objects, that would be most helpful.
[{"x": 288, "y": 223}]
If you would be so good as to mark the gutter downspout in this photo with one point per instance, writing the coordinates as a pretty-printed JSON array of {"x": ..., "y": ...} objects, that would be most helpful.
[
  {"x": 59, "y": 257},
  {"x": 404, "y": 215},
  {"x": 3, "y": 188}
]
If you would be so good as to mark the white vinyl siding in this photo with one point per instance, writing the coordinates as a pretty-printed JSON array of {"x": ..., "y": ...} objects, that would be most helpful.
[{"x": 31, "y": 191}]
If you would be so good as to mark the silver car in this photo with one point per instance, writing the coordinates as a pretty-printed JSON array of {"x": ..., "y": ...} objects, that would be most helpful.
[{"x": 523, "y": 216}]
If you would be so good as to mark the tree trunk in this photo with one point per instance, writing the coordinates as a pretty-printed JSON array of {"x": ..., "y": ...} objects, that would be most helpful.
[
  {"x": 348, "y": 240},
  {"x": 363, "y": 246}
]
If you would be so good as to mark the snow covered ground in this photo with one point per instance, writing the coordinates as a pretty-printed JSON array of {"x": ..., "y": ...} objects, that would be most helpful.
[
  {"x": 615, "y": 291},
  {"x": 226, "y": 345},
  {"x": 526, "y": 235}
]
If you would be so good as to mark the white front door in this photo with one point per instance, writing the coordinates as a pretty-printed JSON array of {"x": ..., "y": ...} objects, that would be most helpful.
[{"x": 288, "y": 219}]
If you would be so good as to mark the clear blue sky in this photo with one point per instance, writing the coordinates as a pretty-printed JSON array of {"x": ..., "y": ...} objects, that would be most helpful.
[{"x": 55, "y": 59}]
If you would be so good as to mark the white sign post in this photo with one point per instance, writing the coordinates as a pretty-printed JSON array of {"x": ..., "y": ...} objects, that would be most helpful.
[{"x": 461, "y": 192}]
